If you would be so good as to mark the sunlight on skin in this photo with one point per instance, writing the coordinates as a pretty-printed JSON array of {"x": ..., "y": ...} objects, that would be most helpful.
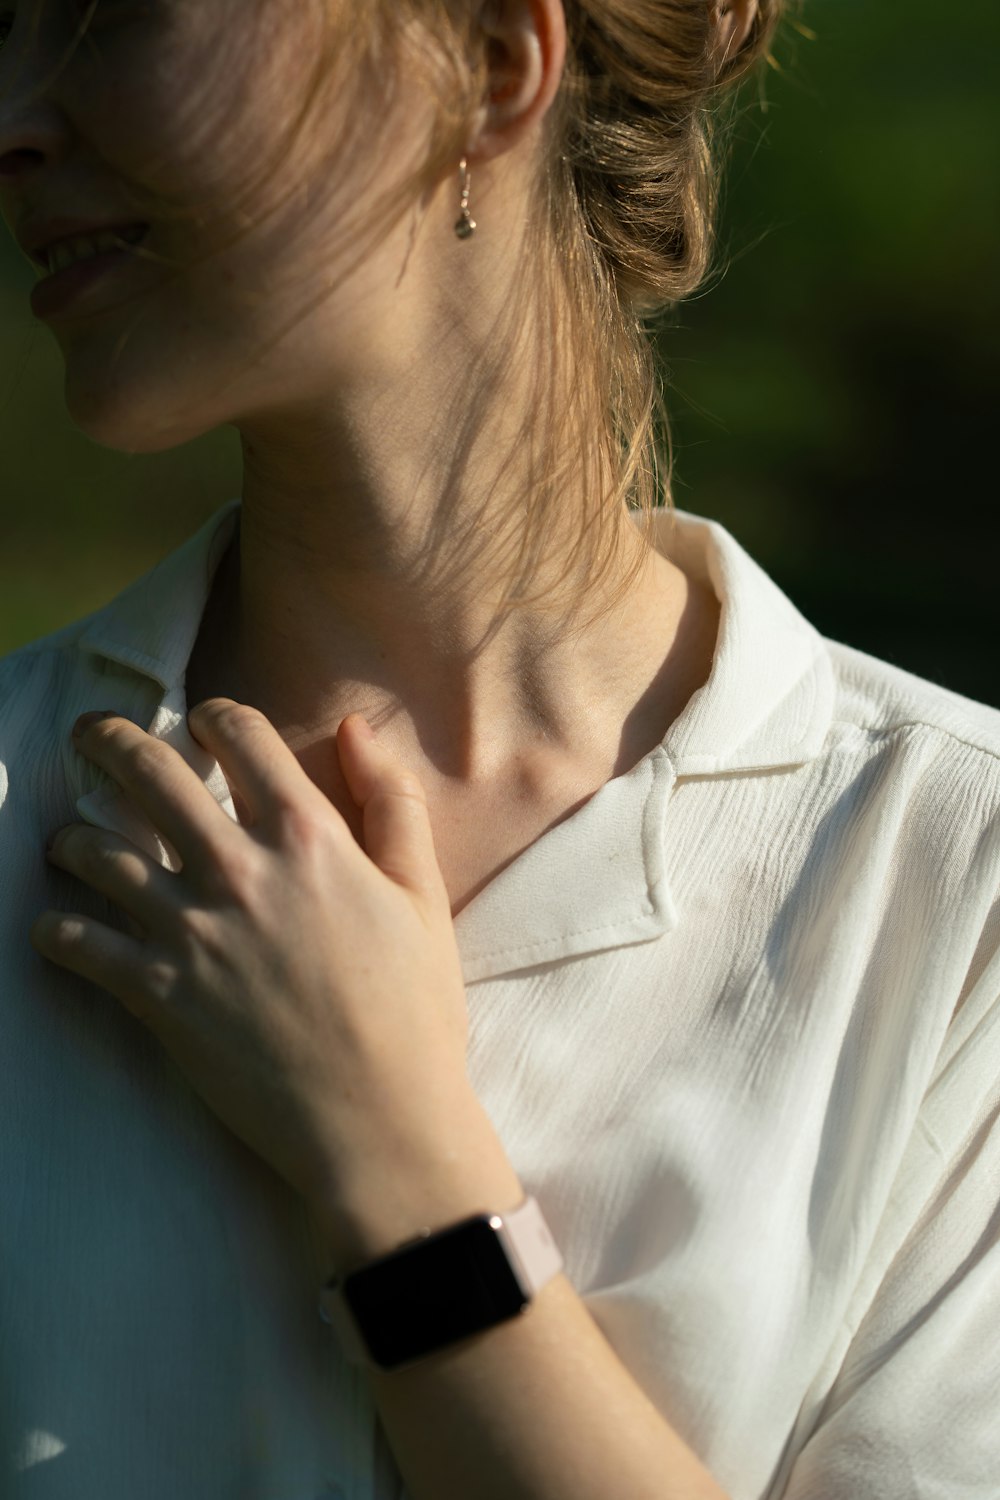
[{"x": 323, "y": 609}]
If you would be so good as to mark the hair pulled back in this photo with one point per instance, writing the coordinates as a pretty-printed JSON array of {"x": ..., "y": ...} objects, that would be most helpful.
[{"x": 633, "y": 124}]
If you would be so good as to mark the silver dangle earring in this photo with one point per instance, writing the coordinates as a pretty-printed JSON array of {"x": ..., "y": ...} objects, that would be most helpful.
[{"x": 465, "y": 228}]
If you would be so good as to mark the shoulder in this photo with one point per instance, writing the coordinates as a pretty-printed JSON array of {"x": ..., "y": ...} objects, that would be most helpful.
[
  {"x": 40, "y": 686},
  {"x": 882, "y": 701},
  {"x": 27, "y": 670},
  {"x": 912, "y": 770},
  {"x": 26, "y": 676}
]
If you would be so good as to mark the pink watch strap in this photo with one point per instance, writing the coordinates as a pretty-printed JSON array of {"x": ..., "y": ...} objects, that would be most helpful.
[{"x": 532, "y": 1250}]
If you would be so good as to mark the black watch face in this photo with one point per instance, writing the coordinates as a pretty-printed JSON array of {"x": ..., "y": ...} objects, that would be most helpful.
[{"x": 445, "y": 1288}]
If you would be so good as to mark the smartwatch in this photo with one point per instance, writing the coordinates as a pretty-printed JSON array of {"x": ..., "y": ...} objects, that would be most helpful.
[{"x": 441, "y": 1287}]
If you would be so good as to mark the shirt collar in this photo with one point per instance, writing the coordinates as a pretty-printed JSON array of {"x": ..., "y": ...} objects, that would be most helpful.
[
  {"x": 769, "y": 699},
  {"x": 595, "y": 881},
  {"x": 153, "y": 624}
]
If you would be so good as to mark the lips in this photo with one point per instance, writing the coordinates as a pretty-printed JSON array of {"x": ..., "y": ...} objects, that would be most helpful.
[{"x": 72, "y": 289}]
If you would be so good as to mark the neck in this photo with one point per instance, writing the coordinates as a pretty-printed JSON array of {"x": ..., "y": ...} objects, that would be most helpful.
[
  {"x": 376, "y": 536},
  {"x": 304, "y": 636}
]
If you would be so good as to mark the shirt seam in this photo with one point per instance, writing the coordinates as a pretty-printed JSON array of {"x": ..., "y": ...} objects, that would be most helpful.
[{"x": 875, "y": 732}]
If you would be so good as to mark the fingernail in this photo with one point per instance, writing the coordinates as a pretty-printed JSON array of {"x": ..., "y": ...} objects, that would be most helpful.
[
  {"x": 85, "y": 720},
  {"x": 364, "y": 728}
]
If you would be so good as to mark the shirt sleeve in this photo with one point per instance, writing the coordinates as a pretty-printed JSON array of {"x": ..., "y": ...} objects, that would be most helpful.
[{"x": 914, "y": 1410}]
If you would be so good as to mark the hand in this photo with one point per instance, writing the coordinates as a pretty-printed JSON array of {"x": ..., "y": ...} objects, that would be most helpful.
[{"x": 309, "y": 989}]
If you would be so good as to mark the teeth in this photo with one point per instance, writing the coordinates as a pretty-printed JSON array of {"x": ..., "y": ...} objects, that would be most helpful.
[{"x": 86, "y": 246}]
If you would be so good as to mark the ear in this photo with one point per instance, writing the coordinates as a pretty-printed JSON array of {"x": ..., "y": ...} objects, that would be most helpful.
[
  {"x": 525, "y": 42},
  {"x": 733, "y": 24}
]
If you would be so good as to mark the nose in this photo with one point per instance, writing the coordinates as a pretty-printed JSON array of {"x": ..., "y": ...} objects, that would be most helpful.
[
  {"x": 17, "y": 163},
  {"x": 33, "y": 129}
]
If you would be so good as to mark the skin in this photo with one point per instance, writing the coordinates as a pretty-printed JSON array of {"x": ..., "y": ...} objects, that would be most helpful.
[
  {"x": 310, "y": 989},
  {"x": 319, "y": 613},
  {"x": 245, "y": 964},
  {"x": 322, "y": 610}
]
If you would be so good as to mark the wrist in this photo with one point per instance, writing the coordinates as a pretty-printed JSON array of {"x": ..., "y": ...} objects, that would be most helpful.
[{"x": 381, "y": 1201}]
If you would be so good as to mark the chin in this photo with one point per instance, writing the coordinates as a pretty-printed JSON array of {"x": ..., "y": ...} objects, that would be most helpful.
[{"x": 118, "y": 417}]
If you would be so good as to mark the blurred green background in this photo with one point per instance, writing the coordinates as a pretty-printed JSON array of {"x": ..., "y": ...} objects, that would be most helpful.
[{"x": 832, "y": 392}]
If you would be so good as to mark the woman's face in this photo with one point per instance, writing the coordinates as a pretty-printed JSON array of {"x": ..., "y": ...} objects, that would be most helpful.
[{"x": 183, "y": 101}]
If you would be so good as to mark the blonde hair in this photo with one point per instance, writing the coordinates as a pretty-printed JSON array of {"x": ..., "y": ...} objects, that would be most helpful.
[
  {"x": 625, "y": 201},
  {"x": 621, "y": 228}
]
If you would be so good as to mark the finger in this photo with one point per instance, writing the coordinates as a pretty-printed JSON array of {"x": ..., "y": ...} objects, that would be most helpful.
[
  {"x": 112, "y": 865},
  {"x": 260, "y": 768},
  {"x": 112, "y": 960},
  {"x": 160, "y": 782},
  {"x": 397, "y": 825}
]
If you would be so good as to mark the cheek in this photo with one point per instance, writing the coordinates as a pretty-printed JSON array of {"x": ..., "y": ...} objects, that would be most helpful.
[
  {"x": 159, "y": 144},
  {"x": 170, "y": 105}
]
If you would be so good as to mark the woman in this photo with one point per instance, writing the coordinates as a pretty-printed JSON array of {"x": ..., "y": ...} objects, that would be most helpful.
[{"x": 470, "y": 853}]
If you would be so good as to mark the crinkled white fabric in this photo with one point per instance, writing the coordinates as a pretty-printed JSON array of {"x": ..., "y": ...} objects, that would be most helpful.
[{"x": 736, "y": 1022}]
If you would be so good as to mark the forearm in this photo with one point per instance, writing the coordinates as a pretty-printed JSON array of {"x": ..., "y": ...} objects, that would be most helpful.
[{"x": 536, "y": 1408}]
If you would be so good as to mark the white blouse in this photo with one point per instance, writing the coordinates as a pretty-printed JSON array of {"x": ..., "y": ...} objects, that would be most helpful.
[{"x": 736, "y": 1022}]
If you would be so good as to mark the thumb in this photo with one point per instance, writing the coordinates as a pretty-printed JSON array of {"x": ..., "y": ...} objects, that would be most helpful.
[{"x": 396, "y": 820}]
